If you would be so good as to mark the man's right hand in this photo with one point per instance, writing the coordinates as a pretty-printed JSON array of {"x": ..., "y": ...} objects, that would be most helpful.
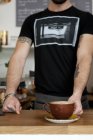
[{"x": 12, "y": 104}]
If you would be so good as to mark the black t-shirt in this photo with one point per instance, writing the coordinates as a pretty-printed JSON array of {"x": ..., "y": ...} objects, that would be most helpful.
[{"x": 55, "y": 36}]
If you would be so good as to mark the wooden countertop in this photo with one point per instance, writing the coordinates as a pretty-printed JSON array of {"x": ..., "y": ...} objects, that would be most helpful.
[{"x": 33, "y": 122}]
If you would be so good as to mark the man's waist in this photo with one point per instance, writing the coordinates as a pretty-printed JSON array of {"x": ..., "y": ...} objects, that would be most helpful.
[{"x": 60, "y": 93}]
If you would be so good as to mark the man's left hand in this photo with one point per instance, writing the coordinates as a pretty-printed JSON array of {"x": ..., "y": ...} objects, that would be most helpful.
[{"x": 78, "y": 106}]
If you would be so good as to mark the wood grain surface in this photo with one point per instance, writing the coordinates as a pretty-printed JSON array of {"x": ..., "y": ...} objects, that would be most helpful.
[{"x": 33, "y": 122}]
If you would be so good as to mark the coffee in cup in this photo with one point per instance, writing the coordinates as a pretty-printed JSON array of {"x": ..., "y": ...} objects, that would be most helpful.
[{"x": 60, "y": 109}]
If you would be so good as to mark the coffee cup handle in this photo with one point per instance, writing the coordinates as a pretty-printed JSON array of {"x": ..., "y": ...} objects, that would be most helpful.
[{"x": 45, "y": 106}]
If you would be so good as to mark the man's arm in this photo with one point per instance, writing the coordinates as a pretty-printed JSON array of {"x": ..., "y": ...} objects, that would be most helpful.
[
  {"x": 84, "y": 59},
  {"x": 15, "y": 70},
  {"x": 16, "y": 64}
]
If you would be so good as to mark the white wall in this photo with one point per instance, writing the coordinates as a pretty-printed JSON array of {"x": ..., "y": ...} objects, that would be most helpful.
[{"x": 8, "y": 20}]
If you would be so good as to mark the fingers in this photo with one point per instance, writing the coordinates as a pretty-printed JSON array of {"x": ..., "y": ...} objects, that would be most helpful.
[
  {"x": 13, "y": 106},
  {"x": 9, "y": 109},
  {"x": 18, "y": 108},
  {"x": 78, "y": 112},
  {"x": 78, "y": 109}
]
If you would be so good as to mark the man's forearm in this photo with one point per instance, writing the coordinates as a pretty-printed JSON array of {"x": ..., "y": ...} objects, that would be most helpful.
[
  {"x": 81, "y": 75},
  {"x": 16, "y": 64},
  {"x": 14, "y": 74}
]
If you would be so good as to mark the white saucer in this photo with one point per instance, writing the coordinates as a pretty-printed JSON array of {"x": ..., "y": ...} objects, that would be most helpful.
[{"x": 53, "y": 120}]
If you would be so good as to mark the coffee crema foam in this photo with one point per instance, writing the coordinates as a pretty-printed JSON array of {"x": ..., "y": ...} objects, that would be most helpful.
[{"x": 61, "y": 102}]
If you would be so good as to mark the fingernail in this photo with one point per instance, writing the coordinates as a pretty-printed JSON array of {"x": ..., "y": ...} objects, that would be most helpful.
[{"x": 17, "y": 112}]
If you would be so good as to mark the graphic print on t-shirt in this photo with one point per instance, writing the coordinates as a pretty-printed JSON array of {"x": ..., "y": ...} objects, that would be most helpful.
[{"x": 59, "y": 30}]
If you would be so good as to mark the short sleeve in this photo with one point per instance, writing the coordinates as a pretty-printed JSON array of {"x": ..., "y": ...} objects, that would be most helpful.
[
  {"x": 87, "y": 27},
  {"x": 27, "y": 28}
]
